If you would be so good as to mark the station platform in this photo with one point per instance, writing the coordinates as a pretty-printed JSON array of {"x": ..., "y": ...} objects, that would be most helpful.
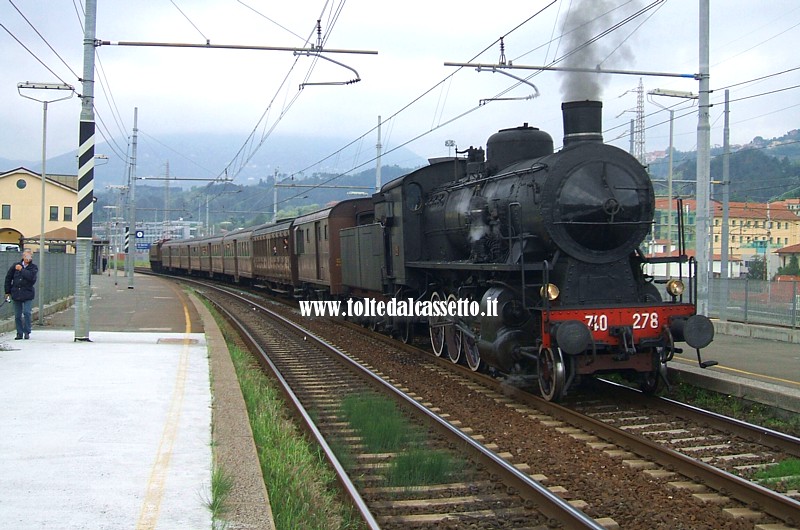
[
  {"x": 118, "y": 431},
  {"x": 757, "y": 363}
]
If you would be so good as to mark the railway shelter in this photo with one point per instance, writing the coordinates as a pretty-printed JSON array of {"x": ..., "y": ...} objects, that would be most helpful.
[{"x": 117, "y": 432}]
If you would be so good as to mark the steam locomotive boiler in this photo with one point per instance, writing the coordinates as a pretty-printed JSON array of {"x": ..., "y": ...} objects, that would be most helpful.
[{"x": 551, "y": 240}]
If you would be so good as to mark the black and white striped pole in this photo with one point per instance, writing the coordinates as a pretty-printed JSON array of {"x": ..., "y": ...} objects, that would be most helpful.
[{"x": 83, "y": 256}]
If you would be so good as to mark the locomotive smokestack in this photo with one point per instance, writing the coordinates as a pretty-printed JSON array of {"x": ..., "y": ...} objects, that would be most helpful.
[{"x": 583, "y": 121}]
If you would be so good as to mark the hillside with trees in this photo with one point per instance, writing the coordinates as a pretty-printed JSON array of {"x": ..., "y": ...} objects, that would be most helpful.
[{"x": 761, "y": 171}]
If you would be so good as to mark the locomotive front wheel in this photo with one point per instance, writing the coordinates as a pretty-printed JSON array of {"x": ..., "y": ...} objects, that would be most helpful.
[
  {"x": 436, "y": 330},
  {"x": 469, "y": 348},
  {"x": 651, "y": 381},
  {"x": 552, "y": 374},
  {"x": 454, "y": 337}
]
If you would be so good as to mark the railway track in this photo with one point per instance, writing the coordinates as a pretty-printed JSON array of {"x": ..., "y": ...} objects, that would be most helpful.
[
  {"x": 631, "y": 470},
  {"x": 486, "y": 492}
]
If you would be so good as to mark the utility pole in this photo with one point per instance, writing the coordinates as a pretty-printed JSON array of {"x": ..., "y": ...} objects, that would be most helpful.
[
  {"x": 703, "y": 164},
  {"x": 632, "y": 146},
  {"x": 274, "y": 197},
  {"x": 726, "y": 197},
  {"x": 166, "y": 204},
  {"x": 83, "y": 258},
  {"x": 639, "y": 132},
  {"x": 129, "y": 255},
  {"x": 378, "y": 168},
  {"x": 675, "y": 94}
]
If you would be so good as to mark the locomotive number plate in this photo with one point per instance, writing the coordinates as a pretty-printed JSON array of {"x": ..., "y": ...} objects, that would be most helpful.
[{"x": 645, "y": 322}]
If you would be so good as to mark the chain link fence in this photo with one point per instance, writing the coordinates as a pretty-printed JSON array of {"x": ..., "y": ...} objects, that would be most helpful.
[
  {"x": 59, "y": 278},
  {"x": 755, "y": 301}
]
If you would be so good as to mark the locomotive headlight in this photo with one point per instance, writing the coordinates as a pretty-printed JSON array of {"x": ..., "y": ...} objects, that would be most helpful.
[
  {"x": 675, "y": 287},
  {"x": 550, "y": 291}
]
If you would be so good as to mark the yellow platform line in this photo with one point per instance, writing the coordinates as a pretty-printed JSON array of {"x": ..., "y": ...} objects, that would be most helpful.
[
  {"x": 745, "y": 372},
  {"x": 148, "y": 518}
]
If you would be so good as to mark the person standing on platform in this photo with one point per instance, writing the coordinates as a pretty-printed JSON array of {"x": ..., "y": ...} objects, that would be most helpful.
[{"x": 20, "y": 279}]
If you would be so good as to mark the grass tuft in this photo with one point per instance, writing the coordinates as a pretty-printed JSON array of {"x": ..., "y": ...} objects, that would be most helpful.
[
  {"x": 785, "y": 475},
  {"x": 221, "y": 485},
  {"x": 379, "y": 424},
  {"x": 302, "y": 488},
  {"x": 421, "y": 467}
]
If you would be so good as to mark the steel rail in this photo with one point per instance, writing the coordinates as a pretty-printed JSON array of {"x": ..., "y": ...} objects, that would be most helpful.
[
  {"x": 547, "y": 502},
  {"x": 767, "y": 500},
  {"x": 755, "y": 433},
  {"x": 308, "y": 423}
]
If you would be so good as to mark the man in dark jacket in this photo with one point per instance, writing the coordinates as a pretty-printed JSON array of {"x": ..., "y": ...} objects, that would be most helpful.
[{"x": 20, "y": 279}]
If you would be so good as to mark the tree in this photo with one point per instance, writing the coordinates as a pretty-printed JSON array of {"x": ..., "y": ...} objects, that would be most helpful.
[
  {"x": 757, "y": 268},
  {"x": 792, "y": 269}
]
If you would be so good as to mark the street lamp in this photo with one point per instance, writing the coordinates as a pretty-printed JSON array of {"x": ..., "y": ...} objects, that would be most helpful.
[
  {"x": 675, "y": 94},
  {"x": 43, "y": 86}
]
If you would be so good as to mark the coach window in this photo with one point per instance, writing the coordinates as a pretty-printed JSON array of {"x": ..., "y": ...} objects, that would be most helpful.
[
  {"x": 326, "y": 232},
  {"x": 299, "y": 244}
]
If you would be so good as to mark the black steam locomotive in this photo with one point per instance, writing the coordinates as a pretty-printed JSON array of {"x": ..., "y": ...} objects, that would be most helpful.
[{"x": 551, "y": 239}]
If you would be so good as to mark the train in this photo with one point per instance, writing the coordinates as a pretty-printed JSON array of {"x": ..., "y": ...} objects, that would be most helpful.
[{"x": 543, "y": 245}]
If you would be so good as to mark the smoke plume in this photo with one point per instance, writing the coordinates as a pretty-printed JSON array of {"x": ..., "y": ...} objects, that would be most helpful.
[{"x": 584, "y": 22}]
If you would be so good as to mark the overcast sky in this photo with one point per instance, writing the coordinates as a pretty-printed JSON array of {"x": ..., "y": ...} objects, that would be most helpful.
[{"x": 205, "y": 90}]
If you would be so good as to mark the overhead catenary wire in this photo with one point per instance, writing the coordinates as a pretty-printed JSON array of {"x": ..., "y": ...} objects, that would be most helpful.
[
  {"x": 33, "y": 54},
  {"x": 189, "y": 20},
  {"x": 616, "y": 26},
  {"x": 43, "y": 39}
]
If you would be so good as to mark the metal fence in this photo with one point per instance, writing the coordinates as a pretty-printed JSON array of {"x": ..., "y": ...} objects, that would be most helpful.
[
  {"x": 59, "y": 278},
  {"x": 755, "y": 301}
]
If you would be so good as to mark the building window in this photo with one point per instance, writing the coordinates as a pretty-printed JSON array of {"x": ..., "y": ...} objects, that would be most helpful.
[
  {"x": 54, "y": 213},
  {"x": 68, "y": 213},
  {"x": 6, "y": 211},
  {"x": 21, "y": 184}
]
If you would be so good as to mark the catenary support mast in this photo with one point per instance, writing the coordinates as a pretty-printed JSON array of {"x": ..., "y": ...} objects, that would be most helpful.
[
  {"x": 83, "y": 260},
  {"x": 703, "y": 166}
]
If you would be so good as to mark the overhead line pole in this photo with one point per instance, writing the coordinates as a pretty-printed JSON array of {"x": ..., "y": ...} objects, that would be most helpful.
[
  {"x": 130, "y": 254},
  {"x": 83, "y": 250},
  {"x": 703, "y": 165},
  {"x": 45, "y": 103}
]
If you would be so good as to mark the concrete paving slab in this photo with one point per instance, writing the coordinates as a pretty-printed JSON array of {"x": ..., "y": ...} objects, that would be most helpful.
[{"x": 113, "y": 433}]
